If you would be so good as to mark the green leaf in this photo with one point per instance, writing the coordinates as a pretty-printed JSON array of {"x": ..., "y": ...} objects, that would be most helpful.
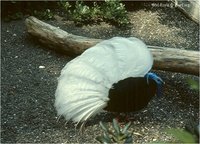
[
  {"x": 126, "y": 127},
  {"x": 106, "y": 136},
  {"x": 182, "y": 135},
  {"x": 114, "y": 139},
  {"x": 104, "y": 126},
  {"x": 101, "y": 139},
  {"x": 116, "y": 126},
  {"x": 193, "y": 84},
  {"x": 129, "y": 140},
  {"x": 121, "y": 137}
]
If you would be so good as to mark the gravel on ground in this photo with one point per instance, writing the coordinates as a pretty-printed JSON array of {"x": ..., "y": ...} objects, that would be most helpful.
[{"x": 30, "y": 71}]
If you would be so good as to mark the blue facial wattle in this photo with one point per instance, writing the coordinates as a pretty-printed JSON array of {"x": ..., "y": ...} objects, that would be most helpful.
[{"x": 158, "y": 81}]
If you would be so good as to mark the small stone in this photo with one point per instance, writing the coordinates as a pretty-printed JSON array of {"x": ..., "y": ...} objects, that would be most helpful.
[
  {"x": 41, "y": 67},
  {"x": 154, "y": 139},
  {"x": 14, "y": 35}
]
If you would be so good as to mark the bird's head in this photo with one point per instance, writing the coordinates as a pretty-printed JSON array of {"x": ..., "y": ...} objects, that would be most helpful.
[{"x": 158, "y": 81}]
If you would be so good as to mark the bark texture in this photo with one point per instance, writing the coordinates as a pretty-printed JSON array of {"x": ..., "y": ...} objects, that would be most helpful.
[{"x": 168, "y": 59}]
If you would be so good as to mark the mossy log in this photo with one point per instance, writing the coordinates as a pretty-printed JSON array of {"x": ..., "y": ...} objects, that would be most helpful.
[{"x": 168, "y": 59}]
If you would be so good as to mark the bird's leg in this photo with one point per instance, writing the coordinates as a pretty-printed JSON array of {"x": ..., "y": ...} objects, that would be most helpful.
[{"x": 122, "y": 118}]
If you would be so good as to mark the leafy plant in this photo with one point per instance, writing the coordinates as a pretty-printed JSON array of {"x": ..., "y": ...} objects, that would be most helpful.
[
  {"x": 95, "y": 13},
  {"x": 115, "y": 12},
  {"x": 115, "y": 134},
  {"x": 65, "y": 6},
  {"x": 183, "y": 135},
  {"x": 46, "y": 14},
  {"x": 193, "y": 84},
  {"x": 81, "y": 13},
  {"x": 111, "y": 11}
]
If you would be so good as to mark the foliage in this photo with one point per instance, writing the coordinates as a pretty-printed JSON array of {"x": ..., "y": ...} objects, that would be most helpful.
[
  {"x": 46, "y": 14},
  {"x": 115, "y": 12},
  {"x": 193, "y": 84},
  {"x": 65, "y": 6},
  {"x": 81, "y": 14},
  {"x": 111, "y": 11},
  {"x": 115, "y": 134},
  {"x": 183, "y": 135}
]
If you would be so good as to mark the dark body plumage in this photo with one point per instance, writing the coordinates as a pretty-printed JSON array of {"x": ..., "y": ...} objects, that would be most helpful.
[{"x": 131, "y": 94}]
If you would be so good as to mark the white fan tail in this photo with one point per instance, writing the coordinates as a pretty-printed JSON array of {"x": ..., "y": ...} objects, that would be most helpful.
[
  {"x": 84, "y": 84},
  {"x": 133, "y": 57},
  {"x": 82, "y": 91}
]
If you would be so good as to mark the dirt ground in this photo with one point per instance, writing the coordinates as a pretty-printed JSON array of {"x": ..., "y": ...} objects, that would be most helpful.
[{"x": 27, "y": 97}]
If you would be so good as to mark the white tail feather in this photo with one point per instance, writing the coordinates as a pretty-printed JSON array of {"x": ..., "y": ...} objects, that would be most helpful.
[{"x": 84, "y": 84}]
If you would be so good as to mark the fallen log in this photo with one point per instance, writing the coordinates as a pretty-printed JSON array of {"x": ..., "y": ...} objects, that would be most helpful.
[
  {"x": 168, "y": 59},
  {"x": 189, "y": 8}
]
